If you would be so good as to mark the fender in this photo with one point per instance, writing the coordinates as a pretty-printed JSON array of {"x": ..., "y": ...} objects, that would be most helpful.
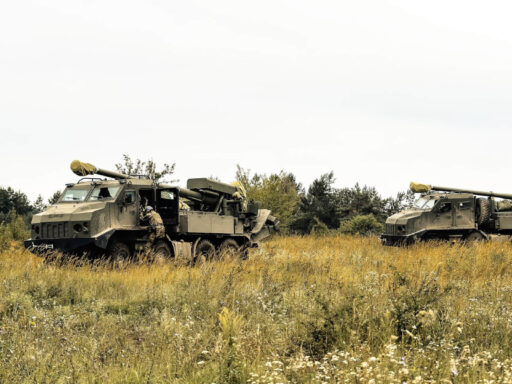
[{"x": 102, "y": 240}]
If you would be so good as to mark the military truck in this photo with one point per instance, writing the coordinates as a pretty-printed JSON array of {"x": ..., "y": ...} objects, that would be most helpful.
[
  {"x": 100, "y": 216},
  {"x": 450, "y": 214}
]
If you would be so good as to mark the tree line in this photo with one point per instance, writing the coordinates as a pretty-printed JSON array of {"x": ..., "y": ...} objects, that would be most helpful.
[{"x": 319, "y": 208}]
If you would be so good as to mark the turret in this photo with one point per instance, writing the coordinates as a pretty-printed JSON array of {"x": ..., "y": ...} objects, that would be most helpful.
[
  {"x": 424, "y": 188},
  {"x": 84, "y": 169}
]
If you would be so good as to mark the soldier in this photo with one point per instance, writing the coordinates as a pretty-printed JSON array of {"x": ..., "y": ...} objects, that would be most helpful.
[{"x": 157, "y": 230}]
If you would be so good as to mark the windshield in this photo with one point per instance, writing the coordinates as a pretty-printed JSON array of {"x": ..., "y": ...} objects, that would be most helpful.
[
  {"x": 424, "y": 203},
  {"x": 73, "y": 194},
  {"x": 104, "y": 193}
]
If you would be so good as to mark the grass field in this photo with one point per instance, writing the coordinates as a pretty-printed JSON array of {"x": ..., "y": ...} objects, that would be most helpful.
[{"x": 300, "y": 310}]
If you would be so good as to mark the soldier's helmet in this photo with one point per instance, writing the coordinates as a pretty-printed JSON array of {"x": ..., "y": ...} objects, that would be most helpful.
[{"x": 149, "y": 208}]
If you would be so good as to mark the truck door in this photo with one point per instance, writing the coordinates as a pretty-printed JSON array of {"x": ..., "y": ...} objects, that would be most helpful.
[
  {"x": 128, "y": 212},
  {"x": 168, "y": 205},
  {"x": 444, "y": 215},
  {"x": 465, "y": 213}
]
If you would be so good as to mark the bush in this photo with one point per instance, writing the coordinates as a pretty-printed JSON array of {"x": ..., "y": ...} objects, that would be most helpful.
[
  {"x": 319, "y": 228},
  {"x": 14, "y": 229},
  {"x": 362, "y": 225}
]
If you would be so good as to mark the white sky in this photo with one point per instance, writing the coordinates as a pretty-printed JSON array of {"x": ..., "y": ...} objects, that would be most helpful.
[{"x": 381, "y": 92}]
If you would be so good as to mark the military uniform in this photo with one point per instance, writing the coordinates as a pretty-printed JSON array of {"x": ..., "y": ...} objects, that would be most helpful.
[{"x": 157, "y": 227}]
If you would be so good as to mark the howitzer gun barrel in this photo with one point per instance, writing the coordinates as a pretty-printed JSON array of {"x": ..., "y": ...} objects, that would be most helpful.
[
  {"x": 207, "y": 197},
  {"x": 480, "y": 193},
  {"x": 424, "y": 188},
  {"x": 85, "y": 169}
]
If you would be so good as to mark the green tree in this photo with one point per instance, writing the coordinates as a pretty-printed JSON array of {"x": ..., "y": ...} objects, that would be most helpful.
[
  {"x": 10, "y": 200},
  {"x": 39, "y": 205},
  {"x": 279, "y": 192},
  {"x": 147, "y": 168},
  {"x": 55, "y": 197},
  {"x": 319, "y": 204},
  {"x": 361, "y": 201}
]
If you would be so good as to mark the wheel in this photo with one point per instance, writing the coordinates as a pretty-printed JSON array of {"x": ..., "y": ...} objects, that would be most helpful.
[
  {"x": 119, "y": 253},
  {"x": 483, "y": 211},
  {"x": 205, "y": 251},
  {"x": 162, "y": 250},
  {"x": 474, "y": 236},
  {"x": 229, "y": 247}
]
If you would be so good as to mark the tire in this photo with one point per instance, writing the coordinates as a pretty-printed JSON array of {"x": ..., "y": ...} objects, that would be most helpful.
[
  {"x": 229, "y": 247},
  {"x": 162, "y": 250},
  {"x": 474, "y": 236},
  {"x": 205, "y": 251},
  {"x": 483, "y": 211},
  {"x": 119, "y": 253}
]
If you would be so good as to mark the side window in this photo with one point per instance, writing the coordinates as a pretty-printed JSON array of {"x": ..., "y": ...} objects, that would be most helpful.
[
  {"x": 129, "y": 197},
  {"x": 445, "y": 207},
  {"x": 464, "y": 205},
  {"x": 167, "y": 195}
]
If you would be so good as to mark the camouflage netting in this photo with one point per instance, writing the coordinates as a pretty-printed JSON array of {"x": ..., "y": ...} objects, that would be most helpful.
[
  {"x": 82, "y": 169},
  {"x": 420, "y": 188},
  {"x": 240, "y": 190},
  {"x": 183, "y": 205},
  {"x": 504, "y": 205},
  {"x": 241, "y": 194}
]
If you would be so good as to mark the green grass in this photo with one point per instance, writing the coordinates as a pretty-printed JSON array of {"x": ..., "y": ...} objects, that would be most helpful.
[{"x": 300, "y": 310}]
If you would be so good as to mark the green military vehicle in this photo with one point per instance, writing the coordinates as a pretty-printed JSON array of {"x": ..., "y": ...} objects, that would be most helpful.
[
  {"x": 100, "y": 216},
  {"x": 450, "y": 214}
]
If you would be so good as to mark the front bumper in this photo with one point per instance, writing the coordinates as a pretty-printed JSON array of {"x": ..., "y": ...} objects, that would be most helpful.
[
  {"x": 397, "y": 240},
  {"x": 68, "y": 244},
  {"x": 64, "y": 245},
  {"x": 392, "y": 240}
]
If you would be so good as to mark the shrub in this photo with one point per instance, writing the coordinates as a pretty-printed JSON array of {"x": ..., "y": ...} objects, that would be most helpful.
[
  {"x": 319, "y": 228},
  {"x": 362, "y": 225},
  {"x": 13, "y": 229}
]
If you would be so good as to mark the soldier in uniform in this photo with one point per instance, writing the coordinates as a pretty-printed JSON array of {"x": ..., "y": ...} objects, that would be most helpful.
[{"x": 157, "y": 229}]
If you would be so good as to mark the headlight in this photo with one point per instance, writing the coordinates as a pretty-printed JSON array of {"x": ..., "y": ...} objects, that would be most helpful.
[{"x": 81, "y": 227}]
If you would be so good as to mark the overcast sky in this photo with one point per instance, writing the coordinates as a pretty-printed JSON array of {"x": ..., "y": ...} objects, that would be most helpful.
[{"x": 380, "y": 92}]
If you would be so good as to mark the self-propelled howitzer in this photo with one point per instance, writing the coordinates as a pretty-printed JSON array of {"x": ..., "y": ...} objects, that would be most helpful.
[
  {"x": 101, "y": 216},
  {"x": 444, "y": 213}
]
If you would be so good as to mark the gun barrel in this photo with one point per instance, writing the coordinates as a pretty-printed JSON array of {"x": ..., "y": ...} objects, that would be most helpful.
[
  {"x": 481, "y": 193},
  {"x": 84, "y": 169},
  {"x": 208, "y": 197}
]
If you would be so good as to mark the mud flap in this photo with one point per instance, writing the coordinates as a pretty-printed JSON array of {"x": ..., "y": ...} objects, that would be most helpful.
[
  {"x": 261, "y": 219},
  {"x": 262, "y": 234},
  {"x": 182, "y": 250},
  {"x": 102, "y": 240},
  {"x": 266, "y": 224}
]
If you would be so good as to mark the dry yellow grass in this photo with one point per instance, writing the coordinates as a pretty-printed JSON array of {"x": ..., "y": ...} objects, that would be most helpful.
[{"x": 300, "y": 310}]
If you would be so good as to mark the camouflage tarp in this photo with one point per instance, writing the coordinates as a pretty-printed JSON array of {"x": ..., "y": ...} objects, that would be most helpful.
[
  {"x": 82, "y": 169},
  {"x": 504, "y": 205},
  {"x": 240, "y": 193},
  {"x": 240, "y": 190},
  {"x": 420, "y": 188},
  {"x": 183, "y": 205}
]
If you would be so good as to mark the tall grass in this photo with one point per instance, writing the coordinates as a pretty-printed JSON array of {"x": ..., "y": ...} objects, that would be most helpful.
[{"x": 299, "y": 310}]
